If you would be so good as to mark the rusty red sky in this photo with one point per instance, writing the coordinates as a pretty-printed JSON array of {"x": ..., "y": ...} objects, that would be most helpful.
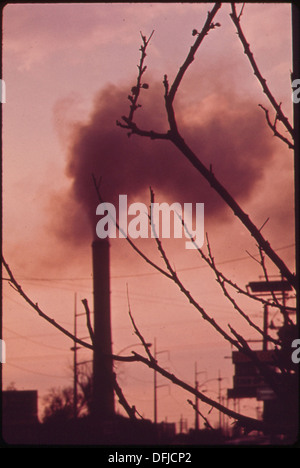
[{"x": 68, "y": 70}]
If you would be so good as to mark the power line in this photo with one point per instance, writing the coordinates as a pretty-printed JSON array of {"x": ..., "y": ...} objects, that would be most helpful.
[
  {"x": 34, "y": 372},
  {"x": 33, "y": 341},
  {"x": 238, "y": 259}
]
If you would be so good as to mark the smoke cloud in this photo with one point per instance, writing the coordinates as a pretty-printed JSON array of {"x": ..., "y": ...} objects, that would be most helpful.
[{"x": 226, "y": 132}]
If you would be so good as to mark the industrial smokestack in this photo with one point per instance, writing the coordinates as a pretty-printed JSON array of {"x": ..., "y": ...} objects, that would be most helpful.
[{"x": 103, "y": 393}]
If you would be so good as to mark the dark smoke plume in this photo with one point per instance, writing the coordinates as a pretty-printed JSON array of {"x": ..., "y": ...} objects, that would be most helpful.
[{"x": 230, "y": 134}]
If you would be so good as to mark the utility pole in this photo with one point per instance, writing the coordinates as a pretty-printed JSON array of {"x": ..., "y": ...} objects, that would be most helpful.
[
  {"x": 155, "y": 382},
  {"x": 75, "y": 358},
  {"x": 220, "y": 413},
  {"x": 197, "y": 425},
  {"x": 265, "y": 339},
  {"x": 75, "y": 348},
  {"x": 155, "y": 387},
  {"x": 219, "y": 382}
]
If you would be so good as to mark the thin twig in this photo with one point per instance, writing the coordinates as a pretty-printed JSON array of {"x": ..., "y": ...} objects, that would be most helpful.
[
  {"x": 234, "y": 285},
  {"x": 130, "y": 410},
  {"x": 137, "y": 332},
  {"x": 36, "y": 307},
  {"x": 178, "y": 141},
  {"x": 253, "y": 258},
  {"x": 174, "y": 136},
  {"x": 221, "y": 282},
  {"x": 177, "y": 281},
  {"x": 241, "y": 12},
  {"x": 273, "y": 127},
  {"x": 280, "y": 115},
  {"x": 130, "y": 242},
  {"x": 200, "y": 414},
  {"x": 134, "y": 97},
  {"x": 170, "y": 96},
  {"x": 88, "y": 319},
  {"x": 245, "y": 421},
  {"x": 241, "y": 343}
]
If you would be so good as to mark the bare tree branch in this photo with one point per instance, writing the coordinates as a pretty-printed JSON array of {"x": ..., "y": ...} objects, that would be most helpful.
[
  {"x": 273, "y": 127},
  {"x": 200, "y": 414},
  {"x": 237, "y": 210},
  {"x": 244, "y": 421},
  {"x": 152, "y": 363},
  {"x": 170, "y": 95},
  {"x": 122, "y": 400},
  {"x": 135, "y": 91},
  {"x": 182, "y": 288},
  {"x": 130, "y": 242},
  {"x": 35, "y": 306},
  {"x": 137, "y": 332},
  {"x": 134, "y": 97},
  {"x": 221, "y": 282},
  {"x": 174, "y": 136},
  {"x": 234, "y": 285},
  {"x": 88, "y": 319},
  {"x": 279, "y": 114},
  {"x": 241, "y": 343},
  {"x": 117, "y": 388}
]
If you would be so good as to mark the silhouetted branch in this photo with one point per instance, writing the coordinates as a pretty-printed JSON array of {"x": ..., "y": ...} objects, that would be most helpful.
[
  {"x": 237, "y": 210},
  {"x": 241, "y": 12},
  {"x": 134, "y": 97},
  {"x": 135, "y": 90},
  {"x": 88, "y": 319},
  {"x": 177, "y": 281},
  {"x": 253, "y": 258},
  {"x": 130, "y": 410},
  {"x": 273, "y": 127},
  {"x": 221, "y": 282},
  {"x": 231, "y": 283},
  {"x": 170, "y": 94},
  {"x": 18, "y": 288},
  {"x": 35, "y": 306},
  {"x": 144, "y": 133},
  {"x": 253, "y": 296},
  {"x": 152, "y": 363},
  {"x": 245, "y": 421},
  {"x": 174, "y": 136},
  {"x": 137, "y": 332},
  {"x": 200, "y": 414},
  {"x": 263, "y": 265},
  {"x": 240, "y": 343},
  {"x": 279, "y": 114},
  {"x": 132, "y": 244}
]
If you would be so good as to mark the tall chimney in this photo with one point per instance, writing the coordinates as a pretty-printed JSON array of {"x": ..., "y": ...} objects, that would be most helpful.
[{"x": 103, "y": 393}]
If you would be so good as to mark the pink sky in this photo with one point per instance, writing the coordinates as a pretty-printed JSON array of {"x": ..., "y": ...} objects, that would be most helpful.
[{"x": 56, "y": 59}]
